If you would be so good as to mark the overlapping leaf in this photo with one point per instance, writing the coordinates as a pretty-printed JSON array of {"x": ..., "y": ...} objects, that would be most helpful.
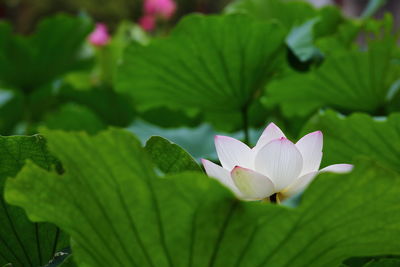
[
  {"x": 119, "y": 212},
  {"x": 349, "y": 81},
  {"x": 23, "y": 243},
  {"x": 217, "y": 63},
  {"x": 113, "y": 108},
  {"x": 184, "y": 136},
  {"x": 72, "y": 117},
  {"x": 359, "y": 135},
  {"x": 169, "y": 157},
  {"x": 303, "y": 23},
  {"x": 29, "y": 62},
  {"x": 289, "y": 14}
]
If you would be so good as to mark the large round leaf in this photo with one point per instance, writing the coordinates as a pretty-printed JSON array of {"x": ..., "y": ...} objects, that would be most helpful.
[
  {"x": 209, "y": 62},
  {"x": 346, "y": 138},
  {"x": 28, "y": 62},
  {"x": 347, "y": 80},
  {"x": 120, "y": 213},
  {"x": 288, "y": 13},
  {"x": 22, "y": 242}
]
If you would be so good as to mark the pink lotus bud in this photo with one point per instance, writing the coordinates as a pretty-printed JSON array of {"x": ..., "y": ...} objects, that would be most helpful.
[
  {"x": 161, "y": 8},
  {"x": 100, "y": 36},
  {"x": 147, "y": 22}
]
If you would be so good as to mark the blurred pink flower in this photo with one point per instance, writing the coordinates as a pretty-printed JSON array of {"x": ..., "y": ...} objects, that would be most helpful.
[
  {"x": 100, "y": 36},
  {"x": 161, "y": 8},
  {"x": 147, "y": 22}
]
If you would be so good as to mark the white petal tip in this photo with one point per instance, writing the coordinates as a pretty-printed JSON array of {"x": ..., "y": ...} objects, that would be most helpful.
[
  {"x": 223, "y": 138},
  {"x": 270, "y": 133},
  {"x": 346, "y": 168},
  {"x": 313, "y": 134},
  {"x": 232, "y": 152},
  {"x": 272, "y": 128},
  {"x": 209, "y": 165},
  {"x": 271, "y": 124},
  {"x": 218, "y": 137},
  {"x": 317, "y": 133},
  {"x": 338, "y": 168}
]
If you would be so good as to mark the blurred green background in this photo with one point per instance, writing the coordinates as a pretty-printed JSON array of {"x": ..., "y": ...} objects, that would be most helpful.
[{"x": 24, "y": 14}]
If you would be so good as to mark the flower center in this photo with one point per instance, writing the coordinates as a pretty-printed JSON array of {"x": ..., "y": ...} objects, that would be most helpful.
[{"x": 276, "y": 198}]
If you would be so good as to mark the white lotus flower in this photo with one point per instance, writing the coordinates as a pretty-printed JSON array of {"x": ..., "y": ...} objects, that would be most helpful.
[{"x": 274, "y": 166}]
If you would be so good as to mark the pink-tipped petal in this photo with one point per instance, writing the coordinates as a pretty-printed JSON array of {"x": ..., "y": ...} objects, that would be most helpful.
[
  {"x": 338, "y": 168},
  {"x": 299, "y": 185},
  {"x": 270, "y": 133},
  {"x": 148, "y": 22},
  {"x": 232, "y": 152},
  {"x": 310, "y": 147},
  {"x": 162, "y": 8},
  {"x": 222, "y": 175},
  {"x": 280, "y": 161},
  {"x": 150, "y": 7},
  {"x": 252, "y": 185},
  {"x": 100, "y": 36},
  {"x": 168, "y": 8}
]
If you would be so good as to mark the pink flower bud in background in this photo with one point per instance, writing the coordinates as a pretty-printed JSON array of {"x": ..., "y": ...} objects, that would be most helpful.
[
  {"x": 161, "y": 8},
  {"x": 147, "y": 22},
  {"x": 100, "y": 36}
]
